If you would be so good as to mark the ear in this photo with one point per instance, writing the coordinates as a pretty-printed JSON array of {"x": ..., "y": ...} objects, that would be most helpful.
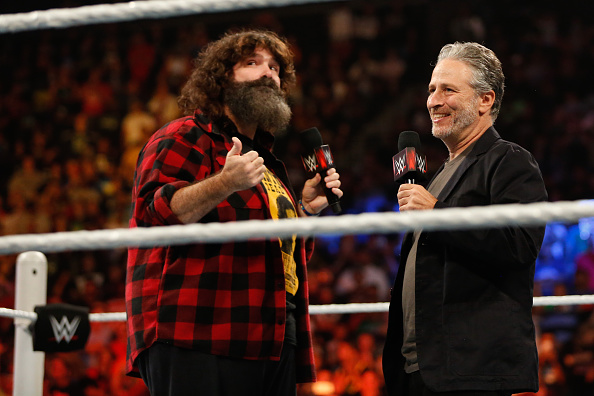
[{"x": 486, "y": 101}]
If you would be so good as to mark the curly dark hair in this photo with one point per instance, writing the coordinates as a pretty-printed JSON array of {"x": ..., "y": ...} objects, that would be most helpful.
[{"x": 213, "y": 68}]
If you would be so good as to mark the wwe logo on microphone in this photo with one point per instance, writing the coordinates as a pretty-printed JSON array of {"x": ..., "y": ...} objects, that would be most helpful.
[
  {"x": 399, "y": 165},
  {"x": 319, "y": 161},
  {"x": 409, "y": 162},
  {"x": 323, "y": 158},
  {"x": 326, "y": 155},
  {"x": 64, "y": 330},
  {"x": 310, "y": 163},
  {"x": 421, "y": 164}
]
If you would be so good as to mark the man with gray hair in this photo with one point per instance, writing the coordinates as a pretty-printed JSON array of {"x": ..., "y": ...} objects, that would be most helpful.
[{"x": 460, "y": 314}]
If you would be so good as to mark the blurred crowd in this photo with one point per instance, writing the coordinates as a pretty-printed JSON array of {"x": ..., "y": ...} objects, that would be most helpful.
[{"x": 77, "y": 104}]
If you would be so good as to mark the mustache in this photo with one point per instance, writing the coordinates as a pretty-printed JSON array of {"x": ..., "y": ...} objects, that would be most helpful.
[{"x": 262, "y": 82}]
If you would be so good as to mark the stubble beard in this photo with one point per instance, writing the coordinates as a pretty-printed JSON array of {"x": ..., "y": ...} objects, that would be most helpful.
[
  {"x": 260, "y": 102},
  {"x": 465, "y": 117}
]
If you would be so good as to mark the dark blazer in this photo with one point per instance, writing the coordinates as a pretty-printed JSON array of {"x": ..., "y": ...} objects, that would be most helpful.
[{"x": 474, "y": 288}]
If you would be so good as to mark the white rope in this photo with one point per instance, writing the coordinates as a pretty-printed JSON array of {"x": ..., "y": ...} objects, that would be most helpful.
[
  {"x": 17, "y": 314},
  {"x": 120, "y": 12},
  {"x": 563, "y": 300},
  {"x": 366, "y": 223},
  {"x": 108, "y": 317},
  {"x": 350, "y": 308},
  {"x": 384, "y": 306}
]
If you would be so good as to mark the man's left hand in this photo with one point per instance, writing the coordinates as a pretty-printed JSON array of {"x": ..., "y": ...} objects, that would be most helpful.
[
  {"x": 313, "y": 196},
  {"x": 415, "y": 197}
]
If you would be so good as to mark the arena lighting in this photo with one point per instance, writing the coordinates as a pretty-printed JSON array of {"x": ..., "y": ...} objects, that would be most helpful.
[{"x": 321, "y": 388}]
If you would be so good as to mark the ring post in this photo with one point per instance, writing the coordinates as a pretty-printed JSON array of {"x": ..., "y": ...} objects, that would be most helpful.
[{"x": 31, "y": 290}]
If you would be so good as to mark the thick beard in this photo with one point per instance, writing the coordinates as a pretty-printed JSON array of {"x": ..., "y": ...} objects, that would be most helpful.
[
  {"x": 259, "y": 102},
  {"x": 462, "y": 119}
]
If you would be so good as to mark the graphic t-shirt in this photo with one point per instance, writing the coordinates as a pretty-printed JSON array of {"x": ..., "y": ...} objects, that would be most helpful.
[{"x": 281, "y": 207}]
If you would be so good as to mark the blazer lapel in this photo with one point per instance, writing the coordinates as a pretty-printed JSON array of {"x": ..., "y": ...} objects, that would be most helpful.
[{"x": 481, "y": 146}]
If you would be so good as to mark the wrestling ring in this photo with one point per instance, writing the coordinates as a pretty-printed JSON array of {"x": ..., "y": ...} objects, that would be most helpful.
[
  {"x": 31, "y": 278},
  {"x": 31, "y": 275}
]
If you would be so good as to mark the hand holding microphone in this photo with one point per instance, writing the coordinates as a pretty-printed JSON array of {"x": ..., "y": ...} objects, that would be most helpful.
[
  {"x": 318, "y": 159},
  {"x": 410, "y": 166}
]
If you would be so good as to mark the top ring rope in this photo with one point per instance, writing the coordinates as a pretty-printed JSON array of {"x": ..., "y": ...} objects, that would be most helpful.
[
  {"x": 367, "y": 223},
  {"x": 58, "y": 18}
]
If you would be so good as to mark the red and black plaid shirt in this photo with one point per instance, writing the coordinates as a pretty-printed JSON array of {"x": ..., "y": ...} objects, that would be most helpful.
[{"x": 220, "y": 298}]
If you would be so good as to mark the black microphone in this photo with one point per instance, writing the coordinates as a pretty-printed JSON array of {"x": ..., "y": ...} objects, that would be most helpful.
[
  {"x": 317, "y": 158},
  {"x": 409, "y": 164}
]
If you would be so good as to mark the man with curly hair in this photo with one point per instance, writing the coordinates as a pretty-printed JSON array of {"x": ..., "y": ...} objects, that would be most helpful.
[{"x": 225, "y": 318}]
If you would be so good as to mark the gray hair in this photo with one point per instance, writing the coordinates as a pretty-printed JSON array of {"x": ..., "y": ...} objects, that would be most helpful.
[{"x": 487, "y": 73}]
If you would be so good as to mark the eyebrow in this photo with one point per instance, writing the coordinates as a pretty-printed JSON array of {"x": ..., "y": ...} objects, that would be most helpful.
[{"x": 256, "y": 55}]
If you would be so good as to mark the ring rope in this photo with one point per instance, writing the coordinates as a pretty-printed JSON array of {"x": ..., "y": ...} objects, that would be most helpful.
[
  {"x": 120, "y": 12},
  {"x": 319, "y": 309},
  {"x": 366, "y": 223}
]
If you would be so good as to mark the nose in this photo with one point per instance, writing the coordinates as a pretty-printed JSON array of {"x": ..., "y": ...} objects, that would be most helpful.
[
  {"x": 267, "y": 72},
  {"x": 434, "y": 99}
]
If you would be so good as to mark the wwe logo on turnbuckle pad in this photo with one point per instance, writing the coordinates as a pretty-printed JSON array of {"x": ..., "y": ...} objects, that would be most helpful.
[
  {"x": 64, "y": 330},
  {"x": 60, "y": 328}
]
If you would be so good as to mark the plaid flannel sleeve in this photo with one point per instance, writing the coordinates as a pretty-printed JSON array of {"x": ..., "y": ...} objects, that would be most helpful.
[{"x": 166, "y": 164}]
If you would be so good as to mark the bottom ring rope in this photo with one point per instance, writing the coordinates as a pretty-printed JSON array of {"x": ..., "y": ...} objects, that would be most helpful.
[{"x": 350, "y": 308}]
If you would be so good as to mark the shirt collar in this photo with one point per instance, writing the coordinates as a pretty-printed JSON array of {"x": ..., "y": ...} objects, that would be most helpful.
[{"x": 225, "y": 126}]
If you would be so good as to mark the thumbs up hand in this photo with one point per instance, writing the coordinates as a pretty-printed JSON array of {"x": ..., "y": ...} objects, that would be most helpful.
[{"x": 242, "y": 171}]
